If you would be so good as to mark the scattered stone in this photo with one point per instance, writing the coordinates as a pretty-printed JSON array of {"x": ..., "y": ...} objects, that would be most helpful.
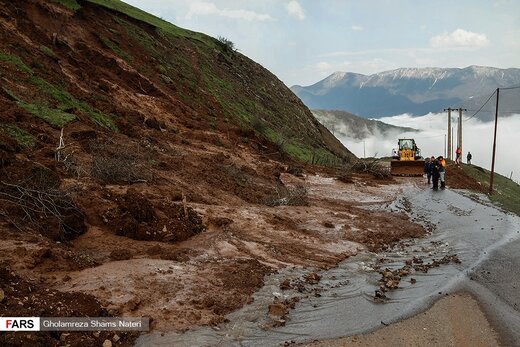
[
  {"x": 2, "y": 295},
  {"x": 277, "y": 310},
  {"x": 285, "y": 285},
  {"x": 390, "y": 278},
  {"x": 328, "y": 224},
  {"x": 107, "y": 343},
  {"x": 312, "y": 278},
  {"x": 96, "y": 334},
  {"x": 115, "y": 338}
]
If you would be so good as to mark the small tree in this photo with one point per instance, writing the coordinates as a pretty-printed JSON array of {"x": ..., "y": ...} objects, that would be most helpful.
[{"x": 227, "y": 45}]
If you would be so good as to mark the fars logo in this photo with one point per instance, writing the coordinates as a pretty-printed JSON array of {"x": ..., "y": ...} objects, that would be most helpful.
[{"x": 19, "y": 323}]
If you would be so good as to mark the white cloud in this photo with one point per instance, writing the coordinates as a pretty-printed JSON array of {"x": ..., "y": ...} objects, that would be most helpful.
[
  {"x": 357, "y": 28},
  {"x": 295, "y": 10},
  {"x": 323, "y": 66},
  {"x": 459, "y": 38},
  {"x": 208, "y": 8}
]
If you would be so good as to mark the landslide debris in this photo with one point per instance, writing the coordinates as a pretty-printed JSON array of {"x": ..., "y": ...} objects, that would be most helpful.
[
  {"x": 26, "y": 298},
  {"x": 390, "y": 278}
]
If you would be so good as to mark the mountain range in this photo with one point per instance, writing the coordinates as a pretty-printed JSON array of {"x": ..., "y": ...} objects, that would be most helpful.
[{"x": 416, "y": 91}]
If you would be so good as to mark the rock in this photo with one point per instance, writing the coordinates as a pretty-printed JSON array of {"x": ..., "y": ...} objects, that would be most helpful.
[
  {"x": 413, "y": 280},
  {"x": 328, "y": 224},
  {"x": 63, "y": 337},
  {"x": 277, "y": 310},
  {"x": 116, "y": 338},
  {"x": 107, "y": 343},
  {"x": 96, "y": 334},
  {"x": 2, "y": 295},
  {"x": 312, "y": 278},
  {"x": 285, "y": 285}
]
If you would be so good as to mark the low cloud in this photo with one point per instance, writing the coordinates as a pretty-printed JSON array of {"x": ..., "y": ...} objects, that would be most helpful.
[
  {"x": 295, "y": 10},
  {"x": 357, "y": 28},
  {"x": 477, "y": 138},
  {"x": 459, "y": 38},
  {"x": 210, "y": 9},
  {"x": 323, "y": 66}
]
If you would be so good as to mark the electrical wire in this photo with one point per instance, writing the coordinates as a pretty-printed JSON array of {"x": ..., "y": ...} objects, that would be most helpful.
[{"x": 481, "y": 107}]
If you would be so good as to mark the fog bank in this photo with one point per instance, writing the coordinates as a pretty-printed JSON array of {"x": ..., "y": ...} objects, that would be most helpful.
[{"x": 477, "y": 138}]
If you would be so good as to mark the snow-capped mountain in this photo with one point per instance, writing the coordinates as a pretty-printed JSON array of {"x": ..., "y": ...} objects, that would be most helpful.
[{"x": 409, "y": 90}]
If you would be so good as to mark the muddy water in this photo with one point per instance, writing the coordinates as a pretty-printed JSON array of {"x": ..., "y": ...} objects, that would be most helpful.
[{"x": 342, "y": 303}]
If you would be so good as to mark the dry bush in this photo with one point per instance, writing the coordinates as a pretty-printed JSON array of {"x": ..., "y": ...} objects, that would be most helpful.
[
  {"x": 117, "y": 165},
  {"x": 39, "y": 203},
  {"x": 238, "y": 174},
  {"x": 288, "y": 196},
  {"x": 346, "y": 175},
  {"x": 373, "y": 167}
]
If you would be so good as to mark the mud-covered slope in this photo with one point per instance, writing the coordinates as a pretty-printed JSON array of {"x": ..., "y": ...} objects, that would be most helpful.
[
  {"x": 127, "y": 143},
  {"x": 108, "y": 65}
]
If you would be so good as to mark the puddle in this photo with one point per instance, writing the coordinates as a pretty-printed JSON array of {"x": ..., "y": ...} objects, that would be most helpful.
[{"x": 345, "y": 302}]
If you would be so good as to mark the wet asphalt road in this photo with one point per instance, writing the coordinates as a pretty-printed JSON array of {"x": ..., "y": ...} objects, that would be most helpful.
[
  {"x": 496, "y": 283},
  {"x": 486, "y": 240}
]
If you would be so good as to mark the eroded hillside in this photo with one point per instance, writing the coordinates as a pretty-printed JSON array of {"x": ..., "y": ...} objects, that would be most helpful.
[{"x": 155, "y": 171}]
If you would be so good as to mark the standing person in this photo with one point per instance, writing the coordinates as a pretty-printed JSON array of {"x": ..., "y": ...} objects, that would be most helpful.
[
  {"x": 442, "y": 171},
  {"x": 435, "y": 174},
  {"x": 458, "y": 156},
  {"x": 428, "y": 169},
  {"x": 468, "y": 158}
]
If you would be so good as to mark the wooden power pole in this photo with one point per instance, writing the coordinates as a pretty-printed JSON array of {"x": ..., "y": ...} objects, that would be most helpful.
[
  {"x": 492, "y": 174},
  {"x": 459, "y": 132},
  {"x": 449, "y": 131}
]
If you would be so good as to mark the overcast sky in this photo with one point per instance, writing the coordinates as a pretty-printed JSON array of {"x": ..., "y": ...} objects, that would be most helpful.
[{"x": 303, "y": 41}]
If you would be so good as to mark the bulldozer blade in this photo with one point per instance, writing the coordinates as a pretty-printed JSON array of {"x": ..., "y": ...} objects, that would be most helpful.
[{"x": 407, "y": 167}]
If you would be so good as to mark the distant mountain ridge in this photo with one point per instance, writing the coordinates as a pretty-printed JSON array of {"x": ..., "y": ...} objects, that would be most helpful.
[
  {"x": 347, "y": 125},
  {"x": 416, "y": 91}
]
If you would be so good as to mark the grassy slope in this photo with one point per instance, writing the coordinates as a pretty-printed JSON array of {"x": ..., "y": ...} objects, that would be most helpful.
[
  {"x": 506, "y": 192},
  {"x": 277, "y": 121},
  {"x": 220, "y": 87}
]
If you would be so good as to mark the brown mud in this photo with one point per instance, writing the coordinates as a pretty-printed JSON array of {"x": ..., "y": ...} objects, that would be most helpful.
[{"x": 181, "y": 213}]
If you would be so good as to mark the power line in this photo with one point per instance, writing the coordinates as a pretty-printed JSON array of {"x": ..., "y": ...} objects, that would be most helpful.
[
  {"x": 429, "y": 137},
  {"x": 516, "y": 87},
  {"x": 481, "y": 107}
]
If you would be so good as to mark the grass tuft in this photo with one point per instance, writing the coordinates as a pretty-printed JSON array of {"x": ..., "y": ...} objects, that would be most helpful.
[
  {"x": 506, "y": 192},
  {"x": 21, "y": 136},
  {"x": 52, "y": 116},
  {"x": 70, "y": 4},
  {"x": 116, "y": 49}
]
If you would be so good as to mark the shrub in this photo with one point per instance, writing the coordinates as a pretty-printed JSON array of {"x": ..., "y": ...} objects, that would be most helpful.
[
  {"x": 117, "y": 165},
  {"x": 289, "y": 196},
  {"x": 39, "y": 203},
  {"x": 373, "y": 167},
  {"x": 227, "y": 45}
]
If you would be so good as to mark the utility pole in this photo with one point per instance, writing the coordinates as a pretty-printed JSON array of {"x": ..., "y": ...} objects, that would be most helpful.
[
  {"x": 459, "y": 134},
  {"x": 452, "y": 142},
  {"x": 492, "y": 174},
  {"x": 449, "y": 131},
  {"x": 445, "y": 148}
]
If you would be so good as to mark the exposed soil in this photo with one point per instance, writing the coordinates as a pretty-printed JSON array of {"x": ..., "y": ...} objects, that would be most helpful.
[
  {"x": 456, "y": 178},
  {"x": 181, "y": 213},
  {"x": 28, "y": 298}
]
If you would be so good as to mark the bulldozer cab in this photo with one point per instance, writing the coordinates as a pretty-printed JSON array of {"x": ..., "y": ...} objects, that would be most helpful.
[{"x": 407, "y": 150}]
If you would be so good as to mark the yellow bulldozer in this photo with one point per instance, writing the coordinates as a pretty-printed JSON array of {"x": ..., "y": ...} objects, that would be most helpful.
[{"x": 407, "y": 159}]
